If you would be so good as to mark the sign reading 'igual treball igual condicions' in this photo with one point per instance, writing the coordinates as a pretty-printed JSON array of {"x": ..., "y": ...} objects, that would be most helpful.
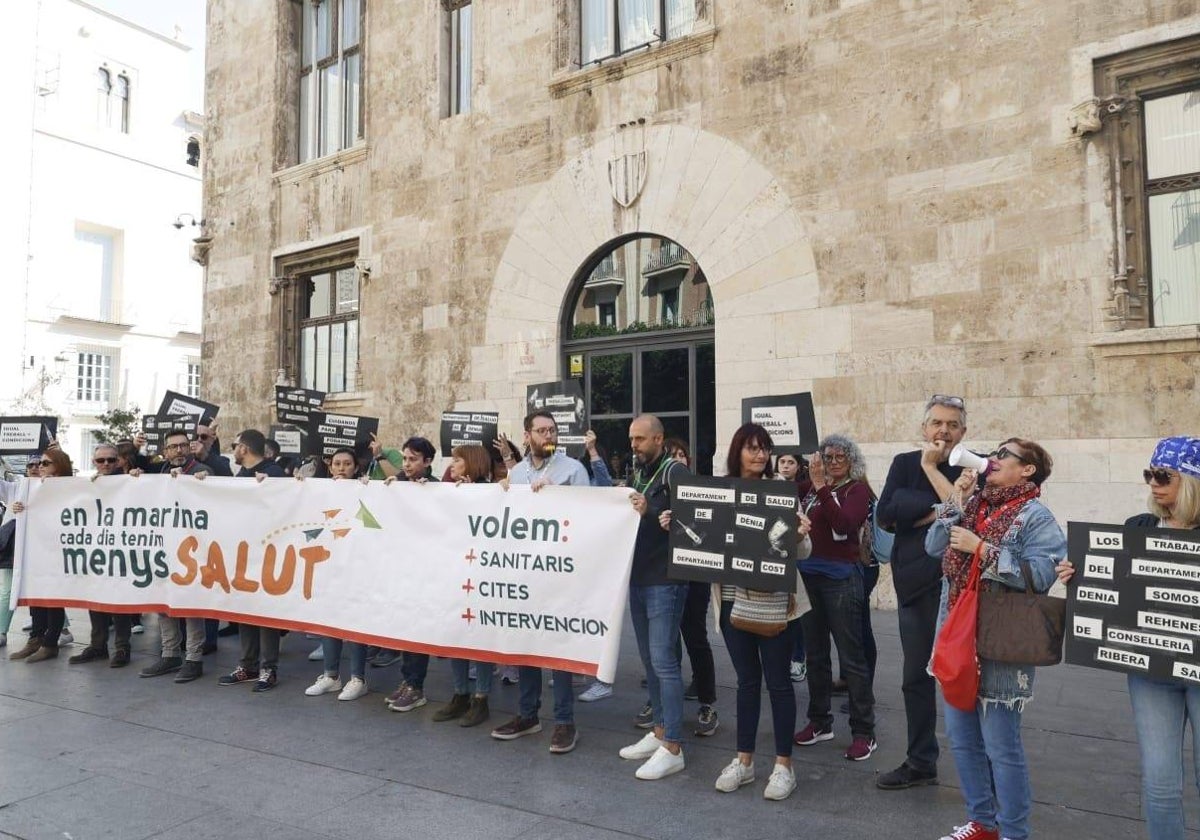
[
  {"x": 1134, "y": 601},
  {"x": 469, "y": 571}
]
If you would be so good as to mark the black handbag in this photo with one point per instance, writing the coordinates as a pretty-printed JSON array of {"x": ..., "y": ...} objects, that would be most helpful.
[{"x": 1020, "y": 628}]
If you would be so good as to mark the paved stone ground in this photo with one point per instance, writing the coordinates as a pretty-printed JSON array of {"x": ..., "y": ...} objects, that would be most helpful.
[{"x": 90, "y": 752}]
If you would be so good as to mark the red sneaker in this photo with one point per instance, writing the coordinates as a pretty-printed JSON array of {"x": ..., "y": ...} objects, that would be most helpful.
[{"x": 972, "y": 831}]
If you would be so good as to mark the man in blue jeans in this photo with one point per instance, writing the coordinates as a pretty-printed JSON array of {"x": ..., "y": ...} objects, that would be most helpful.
[
  {"x": 544, "y": 464},
  {"x": 655, "y": 601}
]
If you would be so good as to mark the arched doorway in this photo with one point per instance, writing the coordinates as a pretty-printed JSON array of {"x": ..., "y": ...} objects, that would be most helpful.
[{"x": 637, "y": 332}]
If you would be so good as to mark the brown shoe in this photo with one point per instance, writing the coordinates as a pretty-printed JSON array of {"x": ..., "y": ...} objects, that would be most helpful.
[
  {"x": 564, "y": 738},
  {"x": 456, "y": 708},
  {"x": 477, "y": 713},
  {"x": 30, "y": 647},
  {"x": 42, "y": 654}
]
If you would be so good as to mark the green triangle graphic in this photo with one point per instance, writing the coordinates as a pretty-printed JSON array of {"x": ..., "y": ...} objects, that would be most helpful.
[{"x": 368, "y": 519}]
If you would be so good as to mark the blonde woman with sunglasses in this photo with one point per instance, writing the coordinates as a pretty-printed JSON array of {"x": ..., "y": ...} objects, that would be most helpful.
[{"x": 1162, "y": 708}]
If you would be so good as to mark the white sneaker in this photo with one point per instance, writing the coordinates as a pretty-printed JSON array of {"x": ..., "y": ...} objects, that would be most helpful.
[
  {"x": 735, "y": 775},
  {"x": 324, "y": 685},
  {"x": 65, "y": 638},
  {"x": 137, "y": 629},
  {"x": 781, "y": 784},
  {"x": 318, "y": 654},
  {"x": 799, "y": 671},
  {"x": 596, "y": 691},
  {"x": 643, "y": 749},
  {"x": 354, "y": 689},
  {"x": 662, "y": 764}
]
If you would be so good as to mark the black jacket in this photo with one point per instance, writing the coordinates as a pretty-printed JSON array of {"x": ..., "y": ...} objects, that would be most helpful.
[
  {"x": 907, "y": 498},
  {"x": 652, "y": 548}
]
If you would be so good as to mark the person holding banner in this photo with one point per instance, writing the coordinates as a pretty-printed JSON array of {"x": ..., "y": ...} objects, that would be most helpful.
[
  {"x": 48, "y": 622},
  {"x": 545, "y": 464},
  {"x": 1003, "y": 528},
  {"x": 837, "y": 499},
  {"x": 342, "y": 465},
  {"x": 469, "y": 465},
  {"x": 1162, "y": 708},
  {"x": 756, "y": 657}
]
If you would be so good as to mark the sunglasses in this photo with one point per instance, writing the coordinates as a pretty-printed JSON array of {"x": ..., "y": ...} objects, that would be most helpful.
[
  {"x": 947, "y": 400},
  {"x": 204, "y": 437},
  {"x": 44, "y": 463},
  {"x": 1004, "y": 452},
  {"x": 104, "y": 460},
  {"x": 1159, "y": 476}
]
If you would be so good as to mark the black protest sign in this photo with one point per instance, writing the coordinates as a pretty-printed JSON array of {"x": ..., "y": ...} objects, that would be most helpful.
[
  {"x": 734, "y": 531},
  {"x": 330, "y": 432},
  {"x": 469, "y": 428},
  {"x": 290, "y": 439},
  {"x": 26, "y": 435},
  {"x": 1134, "y": 602},
  {"x": 156, "y": 427},
  {"x": 294, "y": 405},
  {"x": 789, "y": 418},
  {"x": 176, "y": 403},
  {"x": 564, "y": 400}
]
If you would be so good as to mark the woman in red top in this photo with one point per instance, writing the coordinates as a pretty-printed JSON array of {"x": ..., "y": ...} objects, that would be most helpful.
[{"x": 837, "y": 499}]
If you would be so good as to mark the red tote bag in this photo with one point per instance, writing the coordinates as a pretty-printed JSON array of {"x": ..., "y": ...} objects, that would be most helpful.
[{"x": 955, "y": 664}]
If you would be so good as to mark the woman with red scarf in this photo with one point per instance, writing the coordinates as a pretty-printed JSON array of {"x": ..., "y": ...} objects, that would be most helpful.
[{"x": 1006, "y": 527}]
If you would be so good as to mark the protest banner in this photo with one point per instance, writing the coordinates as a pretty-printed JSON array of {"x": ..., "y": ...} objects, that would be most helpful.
[
  {"x": 176, "y": 403},
  {"x": 1133, "y": 604},
  {"x": 788, "y": 418},
  {"x": 26, "y": 435},
  {"x": 469, "y": 428},
  {"x": 565, "y": 401},
  {"x": 294, "y": 405},
  {"x": 734, "y": 531},
  {"x": 329, "y": 432},
  {"x": 469, "y": 571},
  {"x": 290, "y": 439},
  {"x": 155, "y": 427}
]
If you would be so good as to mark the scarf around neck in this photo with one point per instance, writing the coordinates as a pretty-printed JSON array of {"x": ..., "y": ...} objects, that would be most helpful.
[{"x": 988, "y": 514}]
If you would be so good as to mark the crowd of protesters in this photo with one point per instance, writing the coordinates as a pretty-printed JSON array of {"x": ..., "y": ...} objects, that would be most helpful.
[{"x": 941, "y": 519}]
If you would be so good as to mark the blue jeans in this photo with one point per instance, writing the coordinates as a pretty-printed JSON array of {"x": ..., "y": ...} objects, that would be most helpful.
[
  {"x": 1161, "y": 711},
  {"x": 529, "y": 685},
  {"x": 331, "y": 649},
  {"x": 460, "y": 669},
  {"x": 757, "y": 659},
  {"x": 657, "y": 612},
  {"x": 413, "y": 668},
  {"x": 990, "y": 757}
]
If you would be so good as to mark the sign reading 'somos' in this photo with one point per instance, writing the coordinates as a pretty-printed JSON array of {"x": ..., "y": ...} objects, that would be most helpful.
[{"x": 1134, "y": 603}]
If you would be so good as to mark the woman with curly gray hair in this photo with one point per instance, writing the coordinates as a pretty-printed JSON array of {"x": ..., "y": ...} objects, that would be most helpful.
[{"x": 837, "y": 500}]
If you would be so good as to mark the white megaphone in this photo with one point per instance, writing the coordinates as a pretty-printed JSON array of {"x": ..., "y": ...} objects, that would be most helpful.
[{"x": 960, "y": 456}]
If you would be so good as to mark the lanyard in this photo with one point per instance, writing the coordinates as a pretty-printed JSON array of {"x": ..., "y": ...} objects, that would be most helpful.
[{"x": 646, "y": 486}]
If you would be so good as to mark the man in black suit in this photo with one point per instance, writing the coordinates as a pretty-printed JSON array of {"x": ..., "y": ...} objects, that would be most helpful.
[{"x": 916, "y": 482}]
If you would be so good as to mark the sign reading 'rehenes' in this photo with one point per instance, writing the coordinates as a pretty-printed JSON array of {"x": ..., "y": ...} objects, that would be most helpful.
[
  {"x": 734, "y": 531},
  {"x": 1134, "y": 603}
]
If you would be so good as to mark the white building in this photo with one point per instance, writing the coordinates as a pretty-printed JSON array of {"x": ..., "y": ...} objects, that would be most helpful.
[{"x": 102, "y": 301}]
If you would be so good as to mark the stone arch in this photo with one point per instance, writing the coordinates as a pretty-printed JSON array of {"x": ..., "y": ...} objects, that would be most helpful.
[{"x": 703, "y": 191}]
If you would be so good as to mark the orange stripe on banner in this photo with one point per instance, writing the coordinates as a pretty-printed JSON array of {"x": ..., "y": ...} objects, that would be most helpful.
[{"x": 572, "y": 665}]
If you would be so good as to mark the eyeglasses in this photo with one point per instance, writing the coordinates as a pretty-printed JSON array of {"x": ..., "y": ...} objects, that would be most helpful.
[
  {"x": 838, "y": 458},
  {"x": 1160, "y": 477},
  {"x": 204, "y": 437},
  {"x": 176, "y": 446},
  {"x": 544, "y": 430},
  {"x": 947, "y": 400},
  {"x": 104, "y": 460},
  {"x": 1004, "y": 452}
]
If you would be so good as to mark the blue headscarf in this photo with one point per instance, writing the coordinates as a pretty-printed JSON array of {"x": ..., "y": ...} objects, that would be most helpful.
[{"x": 1181, "y": 454}]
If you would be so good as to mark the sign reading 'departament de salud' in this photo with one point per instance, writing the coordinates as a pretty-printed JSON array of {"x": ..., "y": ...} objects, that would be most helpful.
[
  {"x": 734, "y": 531},
  {"x": 469, "y": 428},
  {"x": 1134, "y": 602}
]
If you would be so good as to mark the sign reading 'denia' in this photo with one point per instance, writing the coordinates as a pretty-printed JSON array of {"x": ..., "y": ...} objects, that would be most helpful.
[
  {"x": 26, "y": 435},
  {"x": 565, "y": 401},
  {"x": 789, "y": 418},
  {"x": 1134, "y": 602},
  {"x": 176, "y": 403},
  {"x": 469, "y": 428},
  {"x": 328, "y": 433},
  {"x": 734, "y": 531},
  {"x": 156, "y": 428},
  {"x": 294, "y": 405}
]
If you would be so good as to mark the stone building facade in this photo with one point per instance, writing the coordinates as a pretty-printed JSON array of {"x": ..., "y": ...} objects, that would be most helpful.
[{"x": 888, "y": 199}]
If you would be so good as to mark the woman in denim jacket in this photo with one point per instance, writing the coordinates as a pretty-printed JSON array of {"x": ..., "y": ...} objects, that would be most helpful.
[{"x": 1014, "y": 528}]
